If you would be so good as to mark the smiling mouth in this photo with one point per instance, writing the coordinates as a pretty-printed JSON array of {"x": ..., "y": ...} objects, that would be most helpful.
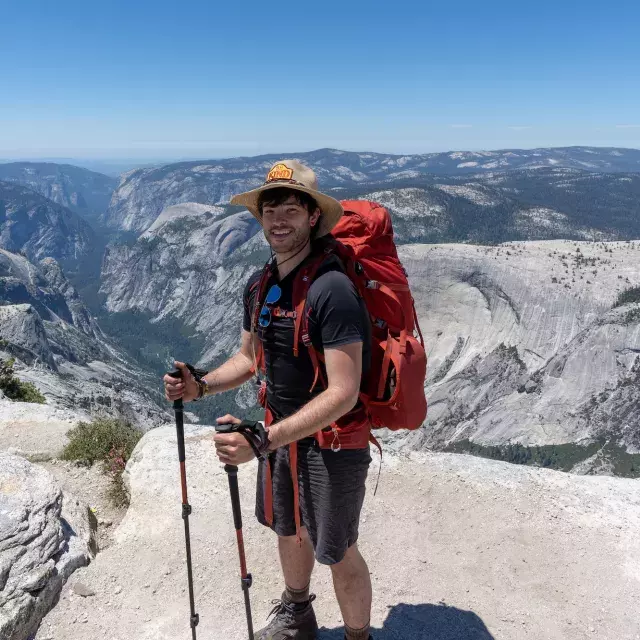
[{"x": 280, "y": 234}]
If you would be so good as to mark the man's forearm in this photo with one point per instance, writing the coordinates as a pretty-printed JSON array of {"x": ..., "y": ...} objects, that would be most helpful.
[
  {"x": 234, "y": 372},
  {"x": 318, "y": 413}
]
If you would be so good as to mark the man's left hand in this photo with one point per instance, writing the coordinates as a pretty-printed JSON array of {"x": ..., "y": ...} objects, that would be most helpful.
[{"x": 232, "y": 448}]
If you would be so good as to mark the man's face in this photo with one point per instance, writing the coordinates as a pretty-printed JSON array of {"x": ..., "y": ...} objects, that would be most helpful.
[{"x": 287, "y": 226}]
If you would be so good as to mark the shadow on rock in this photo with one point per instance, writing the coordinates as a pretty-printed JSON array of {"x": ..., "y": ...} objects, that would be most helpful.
[{"x": 424, "y": 622}]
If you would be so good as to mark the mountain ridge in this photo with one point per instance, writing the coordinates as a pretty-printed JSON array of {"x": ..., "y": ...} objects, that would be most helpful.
[
  {"x": 143, "y": 193},
  {"x": 85, "y": 192},
  {"x": 39, "y": 227}
]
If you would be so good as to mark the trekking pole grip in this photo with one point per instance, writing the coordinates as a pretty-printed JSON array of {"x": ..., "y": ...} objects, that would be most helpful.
[
  {"x": 178, "y": 407},
  {"x": 232, "y": 475}
]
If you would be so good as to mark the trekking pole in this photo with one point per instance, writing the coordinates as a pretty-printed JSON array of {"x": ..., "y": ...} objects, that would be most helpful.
[
  {"x": 246, "y": 579},
  {"x": 178, "y": 408}
]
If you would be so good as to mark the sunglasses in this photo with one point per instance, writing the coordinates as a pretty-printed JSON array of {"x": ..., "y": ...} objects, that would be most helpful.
[{"x": 273, "y": 296}]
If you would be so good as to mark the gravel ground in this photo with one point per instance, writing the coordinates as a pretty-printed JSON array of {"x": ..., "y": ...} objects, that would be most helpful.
[
  {"x": 458, "y": 547},
  {"x": 91, "y": 486}
]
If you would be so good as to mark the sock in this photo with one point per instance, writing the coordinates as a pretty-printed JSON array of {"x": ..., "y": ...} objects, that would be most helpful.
[
  {"x": 296, "y": 596},
  {"x": 356, "y": 634}
]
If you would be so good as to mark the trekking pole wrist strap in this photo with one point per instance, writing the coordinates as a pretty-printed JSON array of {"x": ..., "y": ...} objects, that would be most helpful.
[
  {"x": 254, "y": 433},
  {"x": 199, "y": 375}
]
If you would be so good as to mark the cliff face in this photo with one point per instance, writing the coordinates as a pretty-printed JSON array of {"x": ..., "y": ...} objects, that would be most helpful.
[
  {"x": 40, "y": 228},
  {"x": 523, "y": 344},
  {"x": 521, "y": 337},
  {"x": 61, "y": 349},
  {"x": 192, "y": 263}
]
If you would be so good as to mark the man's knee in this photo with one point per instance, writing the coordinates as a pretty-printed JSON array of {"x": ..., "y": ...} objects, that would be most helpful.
[
  {"x": 290, "y": 540},
  {"x": 350, "y": 561}
]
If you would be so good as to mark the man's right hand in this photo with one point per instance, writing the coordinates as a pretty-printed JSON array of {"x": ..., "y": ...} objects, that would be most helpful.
[{"x": 185, "y": 387}]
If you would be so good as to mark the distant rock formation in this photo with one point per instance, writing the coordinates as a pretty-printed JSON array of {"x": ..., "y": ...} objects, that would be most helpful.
[
  {"x": 521, "y": 337},
  {"x": 40, "y": 228},
  {"x": 85, "y": 192}
]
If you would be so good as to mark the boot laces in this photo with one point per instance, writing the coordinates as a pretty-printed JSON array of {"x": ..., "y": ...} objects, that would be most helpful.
[{"x": 286, "y": 610}]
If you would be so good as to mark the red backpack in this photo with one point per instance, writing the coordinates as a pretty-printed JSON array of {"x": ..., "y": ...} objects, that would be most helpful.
[
  {"x": 394, "y": 391},
  {"x": 394, "y": 394}
]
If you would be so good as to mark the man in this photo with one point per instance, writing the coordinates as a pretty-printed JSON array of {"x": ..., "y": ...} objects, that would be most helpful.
[{"x": 295, "y": 217}]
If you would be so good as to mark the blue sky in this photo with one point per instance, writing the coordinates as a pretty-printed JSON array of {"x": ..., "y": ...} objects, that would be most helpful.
[{"x": 212, "y": 79}]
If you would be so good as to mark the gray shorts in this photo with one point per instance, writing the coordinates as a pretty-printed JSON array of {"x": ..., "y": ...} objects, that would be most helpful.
[{"x": 332, "y": 489}]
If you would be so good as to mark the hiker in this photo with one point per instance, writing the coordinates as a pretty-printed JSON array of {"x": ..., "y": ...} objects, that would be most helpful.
[{"x": 317, "y": 517}]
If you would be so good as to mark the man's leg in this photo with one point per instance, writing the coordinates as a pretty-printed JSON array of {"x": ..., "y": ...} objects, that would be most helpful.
[
  {"x": 297, "y": 564},
  {"x": 293, "y": 617},
  {"x": 352, "y": 584},
  {"x": 332, "y": 494}
]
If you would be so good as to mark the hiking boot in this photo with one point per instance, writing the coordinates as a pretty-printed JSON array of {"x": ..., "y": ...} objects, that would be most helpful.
[{"x": 290, "y": 622}]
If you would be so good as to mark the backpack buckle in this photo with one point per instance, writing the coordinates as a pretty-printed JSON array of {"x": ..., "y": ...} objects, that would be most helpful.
[{"x": 335, "y": 443}]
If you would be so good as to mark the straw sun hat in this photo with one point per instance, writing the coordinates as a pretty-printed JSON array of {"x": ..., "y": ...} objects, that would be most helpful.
[{"x": 294, "y": 175}]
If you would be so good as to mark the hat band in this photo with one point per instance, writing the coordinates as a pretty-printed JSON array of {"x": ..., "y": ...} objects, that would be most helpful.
[{"x": 286, "y": 181}]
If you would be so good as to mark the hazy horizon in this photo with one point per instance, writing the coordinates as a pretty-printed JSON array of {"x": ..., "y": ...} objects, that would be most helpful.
[
  {"x": 149, "y": 158},
  {"x": 105, "y": 162}
]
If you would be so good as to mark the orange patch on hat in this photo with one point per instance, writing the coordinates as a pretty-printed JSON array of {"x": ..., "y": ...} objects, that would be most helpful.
[{"x": 280, "y": 172}]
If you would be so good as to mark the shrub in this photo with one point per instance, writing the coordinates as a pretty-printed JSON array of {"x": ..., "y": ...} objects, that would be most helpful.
[
  {"x": 107, "y": 440},
  {"x": 14, "y": 388},
  {"x": 632, "y": 316},
  {"x": 628, "y": 295}
]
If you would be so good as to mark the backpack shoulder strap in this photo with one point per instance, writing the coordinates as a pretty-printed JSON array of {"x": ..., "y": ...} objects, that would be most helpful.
[
  {"x": 332, "y": 253},
  {"x": 338, "y": 257},
  {"x": 327, "y": 250},
  {"x": 259, "y": 287},
  {"x": 301, "y": 285}
]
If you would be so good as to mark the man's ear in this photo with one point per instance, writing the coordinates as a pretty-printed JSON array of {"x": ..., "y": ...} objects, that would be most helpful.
[{"x": 315, "y": 216}]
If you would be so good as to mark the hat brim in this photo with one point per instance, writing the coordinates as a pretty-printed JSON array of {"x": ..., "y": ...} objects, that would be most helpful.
[{"x": 331, "y": 209}]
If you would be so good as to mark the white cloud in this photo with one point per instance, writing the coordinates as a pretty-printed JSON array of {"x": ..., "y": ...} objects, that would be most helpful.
[
  {"x": 521, "y": 128},
  {"x": 461, "y": 126},
  {"x": 628, "y": 126}
]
